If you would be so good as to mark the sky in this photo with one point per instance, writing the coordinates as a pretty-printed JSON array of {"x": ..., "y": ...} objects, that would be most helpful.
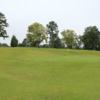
[{"x": 68, "y": 14}]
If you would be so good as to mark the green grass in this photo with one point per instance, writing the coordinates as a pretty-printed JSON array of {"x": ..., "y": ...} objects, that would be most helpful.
[{"x": 49, "y": 74}]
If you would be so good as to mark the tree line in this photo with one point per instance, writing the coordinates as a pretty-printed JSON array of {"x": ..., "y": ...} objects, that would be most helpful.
[{"x": 48, "y": 37}]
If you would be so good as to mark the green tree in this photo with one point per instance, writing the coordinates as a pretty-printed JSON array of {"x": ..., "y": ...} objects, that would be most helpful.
[
  {"x": 69, "y": 38},
  {"x": 3, "y": 45},
  {"x": 14, "y": 41},
  {"x": 3, "y": 25},
  {"x": 24, "y": 43},
  {"x": 52, "y": 30},
  {"x": 78, "y": 43},
  {"x": 36, "y": 34},
  {"x": 58, "y": 43},
  {"x": 91, "y": 38}
]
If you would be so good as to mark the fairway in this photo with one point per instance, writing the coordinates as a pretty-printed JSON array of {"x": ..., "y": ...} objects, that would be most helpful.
[{"x": 49, "y": 74}]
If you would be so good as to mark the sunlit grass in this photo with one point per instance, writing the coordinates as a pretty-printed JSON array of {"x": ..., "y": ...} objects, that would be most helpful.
[{"x": 49, "y": 74}]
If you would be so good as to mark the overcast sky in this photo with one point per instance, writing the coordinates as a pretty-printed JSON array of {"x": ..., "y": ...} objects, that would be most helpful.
[{"x": 69, "y": 14}]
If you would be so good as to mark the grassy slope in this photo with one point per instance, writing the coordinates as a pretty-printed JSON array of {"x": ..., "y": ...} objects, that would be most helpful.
[{"x": 49, "y": 74}]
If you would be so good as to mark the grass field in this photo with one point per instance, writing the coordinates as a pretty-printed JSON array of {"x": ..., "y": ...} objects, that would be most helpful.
[{"x": 49, "y": 74}]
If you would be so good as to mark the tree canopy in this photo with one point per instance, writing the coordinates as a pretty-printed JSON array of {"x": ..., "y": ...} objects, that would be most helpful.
[
  {"x": 3, "y": 25},
  {"x": 69, "y": 38},
  {"x": 14, "y": 41},
  {"x": 91, "y": 38},
  {"x": 52, "y": 30},
  {"x": 36, "y": 34}
]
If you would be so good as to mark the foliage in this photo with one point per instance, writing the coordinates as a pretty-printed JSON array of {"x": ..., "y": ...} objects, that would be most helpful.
[
  {"x": 91, "y": 38},
  {"x": 3, "y": 25},
  {"x": 3, "y": 45},
  {"x": 25, "y": 43},
  {"x": 58, "y": 43},
  {"x": 52, "y": 30},
  {"x": 69, "y": 38},
  {"x": 36, "y": 34},
  {"x": 78, "y": 42},
  {"x": 14, "y": 41}
]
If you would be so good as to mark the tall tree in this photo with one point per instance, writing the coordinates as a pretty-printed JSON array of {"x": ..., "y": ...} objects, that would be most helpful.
[
  {"x": 78, "y": 44},
  {"x": 14, "y": 41},
  {"x": 25, "y": 42},
  {"x": 36, "y": 34},
  {"x": 69, "y": 38},
  {"x": 3, "y": 25},
  {"x": 91, "y": 38},
  {"x": 52, "y": 30}
]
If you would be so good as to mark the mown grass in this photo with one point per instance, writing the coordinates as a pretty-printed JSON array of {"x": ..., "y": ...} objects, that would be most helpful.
[{"x": 49, "y": 74}]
